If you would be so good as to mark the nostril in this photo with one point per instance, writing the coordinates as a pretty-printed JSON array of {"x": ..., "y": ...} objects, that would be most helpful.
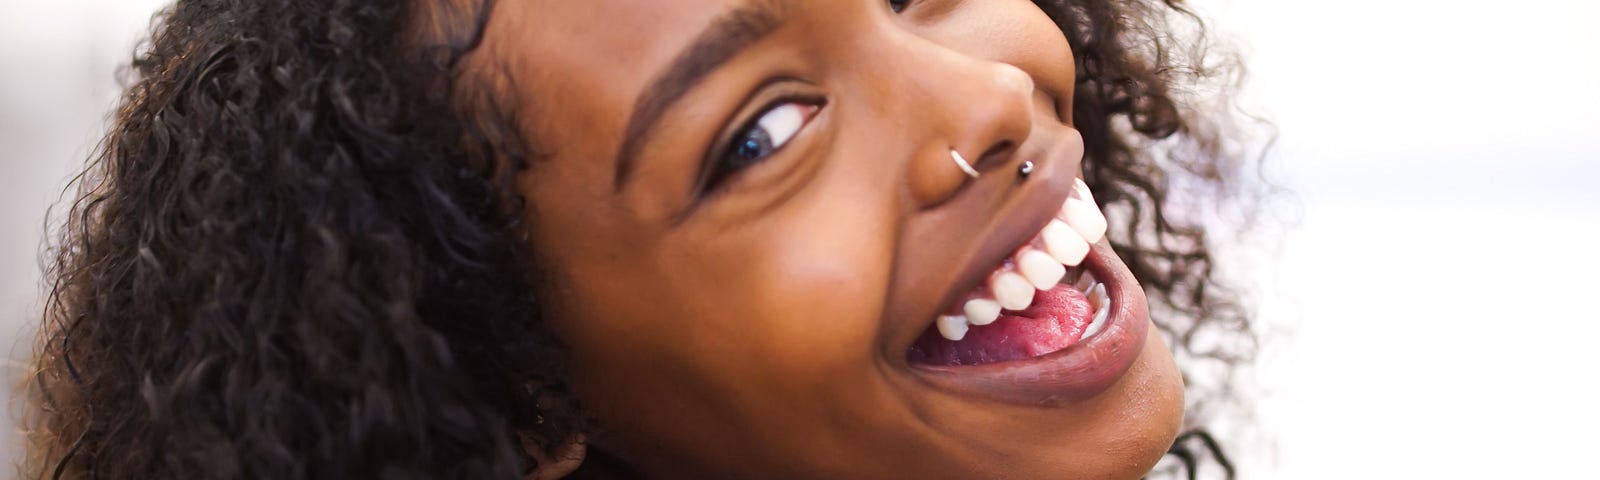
[{"x": 996, "y": 154}]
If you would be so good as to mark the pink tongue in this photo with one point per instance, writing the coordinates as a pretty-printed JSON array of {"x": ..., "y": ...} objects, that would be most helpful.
[{"x": 1056, "y": 320}]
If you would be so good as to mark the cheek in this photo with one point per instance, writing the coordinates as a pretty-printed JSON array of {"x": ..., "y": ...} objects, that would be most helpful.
[
  {"x": 1016, "y": 32},
  {"x": 725, "y": 324},
  {"x": 803, "y": 286},
  {"x": 1044, "y": 52}
]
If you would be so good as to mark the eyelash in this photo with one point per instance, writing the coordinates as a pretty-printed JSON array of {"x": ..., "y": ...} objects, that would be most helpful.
[
  {"x": 754, "y": 142},
  {"x": 743, "y": 150}
]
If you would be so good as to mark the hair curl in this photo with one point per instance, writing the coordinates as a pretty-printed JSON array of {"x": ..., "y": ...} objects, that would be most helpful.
[{"x": 296, "y": 254}]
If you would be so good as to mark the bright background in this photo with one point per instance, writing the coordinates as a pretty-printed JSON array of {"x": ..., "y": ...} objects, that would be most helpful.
[{"x": 1429, "y": 298}]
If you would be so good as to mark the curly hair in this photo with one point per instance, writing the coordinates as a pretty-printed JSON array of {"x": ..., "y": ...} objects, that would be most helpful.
[{"x": 296, "y": 253}]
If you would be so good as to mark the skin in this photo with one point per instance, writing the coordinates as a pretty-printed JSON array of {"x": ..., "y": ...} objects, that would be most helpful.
[{"x": 759, "y": 329}]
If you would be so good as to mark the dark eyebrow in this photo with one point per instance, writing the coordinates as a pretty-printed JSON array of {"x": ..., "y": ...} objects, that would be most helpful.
[{"x": 729, "y": 34}]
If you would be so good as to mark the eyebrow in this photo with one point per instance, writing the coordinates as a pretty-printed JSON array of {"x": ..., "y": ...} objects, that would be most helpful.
[{"x": 729, "y": 34}]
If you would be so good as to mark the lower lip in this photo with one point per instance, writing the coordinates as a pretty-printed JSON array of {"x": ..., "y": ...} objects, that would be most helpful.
[{"x": 1082, "y": 370}]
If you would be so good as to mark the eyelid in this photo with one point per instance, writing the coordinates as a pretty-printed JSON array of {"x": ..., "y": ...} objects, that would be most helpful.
[{"x": 779, "y": 91}]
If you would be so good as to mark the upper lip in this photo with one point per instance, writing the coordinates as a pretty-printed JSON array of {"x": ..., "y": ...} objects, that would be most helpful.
[
  {"x": 1083, "y": 369},
  {"x": 1033, "y": 208}
]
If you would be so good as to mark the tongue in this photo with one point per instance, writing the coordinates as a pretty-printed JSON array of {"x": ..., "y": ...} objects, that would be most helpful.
[{"x": 1056, "y": 320}]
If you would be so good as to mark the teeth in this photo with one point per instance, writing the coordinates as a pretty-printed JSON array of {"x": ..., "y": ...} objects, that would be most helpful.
[
  {"x": 1067, "y": 240},
  {"x": 1042, "y": 270},
  {"x": 1012, "y": 291},
  {"x": 1064, "y": 243},
  {"x": 1084, "y": 283},
  {"x": 953, "y": 327},
  {"x": 1102, "y": 303},
  {"x": 1081, "y": 190},
  {"x": 1011, "y": 286},
  {"x": 1083, "y": 215},
  {"x": 981, "y": 311}
]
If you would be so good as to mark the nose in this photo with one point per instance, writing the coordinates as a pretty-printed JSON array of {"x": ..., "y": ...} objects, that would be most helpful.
[{"x": 981, "y": 109}]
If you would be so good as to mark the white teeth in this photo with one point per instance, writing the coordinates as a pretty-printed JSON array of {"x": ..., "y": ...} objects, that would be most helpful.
[
  {"x": 1081, "y": 190},
  {"x": 1042, "y": 270},
  {"x": 953, "y": 327},
  {"x": 1083, "y": 215},
  {"x": 981, "y": 311},
  {"x": 1102, "y": 303},
  {"x": 1067, "y": 240},
  {"x": 1011, "y": 286},
  {"x": 1012, "y": 291},
  {"x": 1064, "y": 243},
  {"x": 1084, "y": 283}
]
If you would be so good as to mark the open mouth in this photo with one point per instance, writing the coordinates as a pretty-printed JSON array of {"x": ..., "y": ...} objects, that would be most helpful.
[
  {"x": 1058, "y": 318},
  {"x": 1038, "y": 301},
  {"x": 1061, "y": 318}
]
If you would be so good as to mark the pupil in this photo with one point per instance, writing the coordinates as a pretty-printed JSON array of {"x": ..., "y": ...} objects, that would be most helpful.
[
  {"x": 750, "y": 149},
  {"x": 756, "y": 144}
]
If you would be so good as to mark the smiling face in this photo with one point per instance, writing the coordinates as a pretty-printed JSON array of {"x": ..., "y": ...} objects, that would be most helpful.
[{"x": 750, "y": 221}]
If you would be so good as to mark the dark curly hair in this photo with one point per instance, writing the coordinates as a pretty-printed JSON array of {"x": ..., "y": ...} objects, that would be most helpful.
[{"x": 296, "y": 253}]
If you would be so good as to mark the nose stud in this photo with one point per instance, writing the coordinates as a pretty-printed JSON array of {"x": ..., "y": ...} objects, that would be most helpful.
[
  {"x": 961, "y": 162},
  {"x": 1027, "y": 169}
]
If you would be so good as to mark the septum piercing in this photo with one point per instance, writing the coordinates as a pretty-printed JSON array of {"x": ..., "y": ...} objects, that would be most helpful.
[
  {"x": 1027, "y": 169},
  {"x": 961, "y": 162}
]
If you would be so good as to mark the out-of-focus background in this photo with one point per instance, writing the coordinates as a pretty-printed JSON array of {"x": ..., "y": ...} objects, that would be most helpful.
[
  {"x": 57, "y": 65},
  {"x": 1428, "y": 289}
]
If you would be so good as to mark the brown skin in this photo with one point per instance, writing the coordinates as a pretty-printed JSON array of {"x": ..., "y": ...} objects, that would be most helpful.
[{"x": 759, "y": 329}]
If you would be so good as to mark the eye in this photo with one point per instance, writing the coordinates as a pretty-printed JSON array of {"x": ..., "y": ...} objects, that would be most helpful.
[
  {"x": 759, "y": 139},
  {"x": 898, "y": 6}
]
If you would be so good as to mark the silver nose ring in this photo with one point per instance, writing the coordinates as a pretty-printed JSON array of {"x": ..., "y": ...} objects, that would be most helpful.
[
  {"x": 1027, "y": 169},
  {"x": 963, "y": 164}
]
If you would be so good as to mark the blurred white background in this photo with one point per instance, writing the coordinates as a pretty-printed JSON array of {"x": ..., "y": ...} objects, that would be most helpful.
[
  {"x": 1438, "y": 288},
  {"x": 1430, "y": 300},
  {"x": 57, "y": 65}
]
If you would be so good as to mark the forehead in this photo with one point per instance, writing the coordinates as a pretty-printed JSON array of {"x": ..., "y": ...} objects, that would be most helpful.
[{"x": 579, "y": 65}]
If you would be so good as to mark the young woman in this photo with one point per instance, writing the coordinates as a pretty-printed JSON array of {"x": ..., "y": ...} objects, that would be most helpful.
[{"x": 622, "y": 239}]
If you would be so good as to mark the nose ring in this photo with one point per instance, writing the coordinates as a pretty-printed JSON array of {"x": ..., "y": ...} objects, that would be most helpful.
[
  {"x": 1027, "y": 169},
  {"x": 961, "y": 162}
]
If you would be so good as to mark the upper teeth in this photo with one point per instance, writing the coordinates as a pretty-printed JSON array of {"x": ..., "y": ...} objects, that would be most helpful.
[
  {"x": 1083, "y": 214},
  {"x": 1012, "y": 290},
  {"x": 981, "y": 311},
  {"x": 952, "y": 327},
  {"x": 1066, "y": 241},
  {"x": 1041, "y": 269}
]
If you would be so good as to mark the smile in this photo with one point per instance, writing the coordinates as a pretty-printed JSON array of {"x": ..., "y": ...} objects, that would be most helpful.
[{"x": 1060, "y": 318}]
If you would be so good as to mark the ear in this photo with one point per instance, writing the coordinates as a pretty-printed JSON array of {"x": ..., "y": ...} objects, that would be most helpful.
[{"x": 557, "y": 462}]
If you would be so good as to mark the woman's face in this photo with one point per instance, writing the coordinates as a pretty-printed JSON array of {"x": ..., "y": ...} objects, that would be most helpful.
[{"x": 750, "y": 219}]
